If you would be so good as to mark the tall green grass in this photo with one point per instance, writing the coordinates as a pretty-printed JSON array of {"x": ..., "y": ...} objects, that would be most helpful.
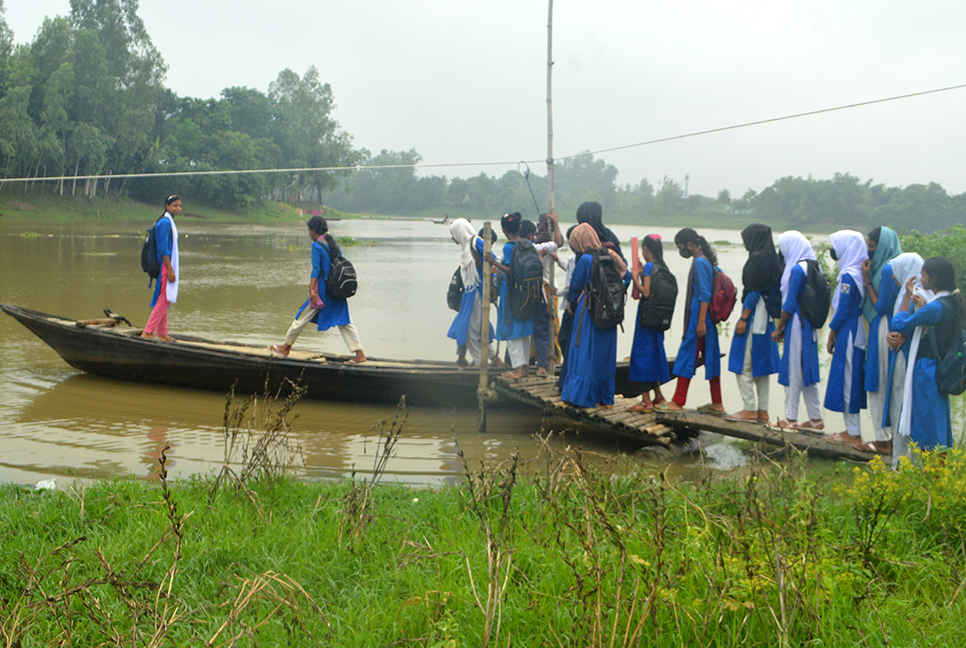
[{"x": 573, "y": 557}]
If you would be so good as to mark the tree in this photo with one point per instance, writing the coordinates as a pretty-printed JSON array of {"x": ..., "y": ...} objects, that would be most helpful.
[{"x": 669, "y": 195}]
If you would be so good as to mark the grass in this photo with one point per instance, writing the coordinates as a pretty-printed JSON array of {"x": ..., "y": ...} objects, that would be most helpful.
[{"x": 572, "y": 557}]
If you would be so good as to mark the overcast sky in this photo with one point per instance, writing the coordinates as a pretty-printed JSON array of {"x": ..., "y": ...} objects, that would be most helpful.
[{"x": 466, "y": 81}]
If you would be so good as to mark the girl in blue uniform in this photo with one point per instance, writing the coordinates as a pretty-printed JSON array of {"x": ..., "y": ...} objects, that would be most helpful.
[
  {"x": 322, "y": 308},
  {"x": 467, "y": 327},
  {"x": 880, "y": 297},
  {"x": 648, "y": 360},
  {"x": 906, "y": 266},
  {"x": 845, "y": 391},
  {"x": 700, "y": 334},
  {"x": 754, "y": 363},
  {"x": 515, "y": 332},
  {"x": 798, "y": 369},
  {"x": 592, "y": 357},
  {"x": 925, "y": 412}
]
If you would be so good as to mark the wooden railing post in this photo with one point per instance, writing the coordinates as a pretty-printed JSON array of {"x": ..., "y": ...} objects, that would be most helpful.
[{"x": 483, "y": 391}]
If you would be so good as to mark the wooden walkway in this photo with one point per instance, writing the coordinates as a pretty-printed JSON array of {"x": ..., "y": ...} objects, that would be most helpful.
[{"x": 661, "y": 428}]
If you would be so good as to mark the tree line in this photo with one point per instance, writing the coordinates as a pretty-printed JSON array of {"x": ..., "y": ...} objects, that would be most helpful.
[{"x": 87, "y": 97}]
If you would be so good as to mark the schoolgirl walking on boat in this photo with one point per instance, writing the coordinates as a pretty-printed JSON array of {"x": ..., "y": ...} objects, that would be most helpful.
[
  {"x": 845, "y": 391},
  {"x": 881, "y": 291},
  {"x": 700, "y": 334},
  {"x": 592, "y": 358},
  {"x": 939, "y": 316},
  {"x": 516, "y": 333},
  {"x": 798, "y": 370},
  {"x": 648, "y": 363},
  {"x": 754, "y": 354},
  {"x": 467, "y": 326}
]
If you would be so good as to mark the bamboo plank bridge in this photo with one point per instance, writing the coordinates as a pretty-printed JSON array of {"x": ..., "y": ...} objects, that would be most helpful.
[{"x": 666, "y": 428}]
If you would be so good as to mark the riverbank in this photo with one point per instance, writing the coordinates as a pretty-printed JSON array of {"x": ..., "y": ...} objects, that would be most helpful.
[
  {"x": 24, "y": 207},
  {"x": 573, "y": 557}
]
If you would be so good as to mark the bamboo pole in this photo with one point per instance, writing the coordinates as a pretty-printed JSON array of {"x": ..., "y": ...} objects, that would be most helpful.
[
  {"x": 551, "y": 311},
  {"x": 482, "y": 394}
]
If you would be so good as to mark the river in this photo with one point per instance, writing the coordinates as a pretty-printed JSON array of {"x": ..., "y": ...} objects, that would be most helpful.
[{"x": 244, "y": 282}]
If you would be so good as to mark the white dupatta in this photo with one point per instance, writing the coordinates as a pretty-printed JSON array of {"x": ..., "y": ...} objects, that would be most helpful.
[
  {"x": 171, "y": 287},
  {"x": 905, "y": 418}
]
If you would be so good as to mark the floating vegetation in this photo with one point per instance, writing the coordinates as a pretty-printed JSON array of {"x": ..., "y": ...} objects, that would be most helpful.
[
  {"x": 29, "y": 234},
  {"x": 349, "y": 241}
]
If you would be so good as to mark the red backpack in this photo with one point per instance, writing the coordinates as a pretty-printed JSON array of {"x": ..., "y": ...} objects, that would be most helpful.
[{"x": 723, "y": 297}]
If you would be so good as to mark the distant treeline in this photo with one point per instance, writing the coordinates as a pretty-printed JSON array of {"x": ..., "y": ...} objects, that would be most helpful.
[{"x": 86, "y": 97}]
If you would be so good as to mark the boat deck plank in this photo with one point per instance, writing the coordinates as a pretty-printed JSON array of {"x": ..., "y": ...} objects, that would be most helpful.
[{"x": 662, "y": 427}]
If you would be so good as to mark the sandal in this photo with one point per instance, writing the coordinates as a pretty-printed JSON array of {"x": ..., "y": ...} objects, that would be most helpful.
[
  {"x": 735, "y": 417},
  {"x": 663, "y": 407},
  {"x": 276, "y": 351},
  {"x": 784, "y": 425},
  {"x": 642, "y": 408},
  {"x": 817, "y": 425},
  {"x": 844, "y": 438},
  {"x": 709, "y": 408},
  {"x": 462, "y": 362},
  {"x": 878, "y": 447}
]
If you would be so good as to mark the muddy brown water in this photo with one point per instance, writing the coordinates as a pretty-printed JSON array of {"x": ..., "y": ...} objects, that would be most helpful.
[{"x": 244, "y": 282}]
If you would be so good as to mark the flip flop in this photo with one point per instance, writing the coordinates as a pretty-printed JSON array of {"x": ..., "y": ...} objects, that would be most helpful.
[
  {"x": 642, "y": 408},
  {"x": 662, "y": 407},
  {"x": 813, "y": 426},
  {"x": 707, "y": 407},
  {"x": 352, "y": 361},
  {"x": 844, "y": 438}
]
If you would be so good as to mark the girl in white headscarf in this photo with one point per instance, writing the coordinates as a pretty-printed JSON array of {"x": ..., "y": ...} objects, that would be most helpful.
[
  {"x": 798, "y": 370},
  {"x": 935, "y": 324},
  {"x": 845, "y": 391},
  {"x": 904, "y": 267},
  {"x": 467, "y": 326}
]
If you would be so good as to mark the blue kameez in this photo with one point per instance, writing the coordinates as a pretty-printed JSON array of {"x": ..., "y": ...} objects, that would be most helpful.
[
  {"x": 459, "y": 329},
  {"x": 592, "y": 358},
  {"x": 507, "y": 326},
  {"x": 648, "y": 358},
  {"x": 336, "y": 310},
  {"x": 809, "y": 359},
  {"x": 845, "y": 322},
  {"x": 930, "y": 425},
  {"x": 887, "y": 291},
  {"x": 702, "y": 282},
  {"x": 164, "y": 242},
  {"x": 764, "y": 350}
]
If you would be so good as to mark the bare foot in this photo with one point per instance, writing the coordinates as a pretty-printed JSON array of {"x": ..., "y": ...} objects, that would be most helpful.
[{"x": 148, "y": 336}]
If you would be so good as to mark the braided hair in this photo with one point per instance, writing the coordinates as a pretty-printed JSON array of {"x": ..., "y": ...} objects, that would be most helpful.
[{"x": 318, "y": 225}]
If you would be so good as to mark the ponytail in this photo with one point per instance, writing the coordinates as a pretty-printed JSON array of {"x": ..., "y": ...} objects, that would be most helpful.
[
  {"x": 653, "y": 244},
  {"x": 688, "y": 235}
]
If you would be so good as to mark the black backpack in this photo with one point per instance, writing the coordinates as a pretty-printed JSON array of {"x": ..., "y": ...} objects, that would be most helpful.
[
  {"x": 149, "y": 254},
  {"x": 817, "y": 297},
  {"x": 342, "y": 281},
  {"x": 525, "y": 281},
  {"x": 454, "y": 294},
  {"x": 951, "y": 366},
  {"x": 608, "y": 293},
  {"x": 657, "y": 310}
]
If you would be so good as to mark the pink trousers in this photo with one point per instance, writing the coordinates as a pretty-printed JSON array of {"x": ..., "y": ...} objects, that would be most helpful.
[{"x": 158, "y": 320}]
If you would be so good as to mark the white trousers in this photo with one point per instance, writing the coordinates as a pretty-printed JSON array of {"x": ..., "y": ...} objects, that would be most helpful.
[
  {"x": 519, "y": 350},
  {"x": 900, "y": 444},
  {"x": 853, "y": 422},
  {"x": 349, "y": 333},
  {"x": 474, "y": 334},
  {"x": 749, "y": 383},
  {"x": 877, "y": 399},
  {"x": 796, "y": 390}
]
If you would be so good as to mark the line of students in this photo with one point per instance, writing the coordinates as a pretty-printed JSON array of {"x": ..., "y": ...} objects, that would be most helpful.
[{"x": 911, "y": 307}]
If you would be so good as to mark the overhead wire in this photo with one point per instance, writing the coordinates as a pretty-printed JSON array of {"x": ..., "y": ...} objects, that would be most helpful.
[{"x": 361, "y": 167}]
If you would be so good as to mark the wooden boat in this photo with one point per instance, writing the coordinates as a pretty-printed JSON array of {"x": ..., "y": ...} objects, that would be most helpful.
[{"x": 112, "y": 348}]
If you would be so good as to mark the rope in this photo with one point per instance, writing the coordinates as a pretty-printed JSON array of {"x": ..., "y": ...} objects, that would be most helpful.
[{"x": 359, "y": 167}]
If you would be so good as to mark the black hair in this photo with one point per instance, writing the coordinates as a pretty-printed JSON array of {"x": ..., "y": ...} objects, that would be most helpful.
[
  {"x": 527, "y": 227},
  {"x": 493, "y": 235},
  {"x": 875, "y": 234},
  {"x": 655, "y": 247},
  {"x": 318, "y": 225},
  {"x": 511, "y": 223},
  {"x": 943, "y": 274},
  {"x": 688, "y": 235},
  {"x": 570, "y": 230},
  {"x": 170, "y": 199}
]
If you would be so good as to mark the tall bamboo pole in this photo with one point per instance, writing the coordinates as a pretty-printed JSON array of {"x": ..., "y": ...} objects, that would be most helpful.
[
  {"x": 551, "y": 311},
  {"x": 482, "y": 391}
]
